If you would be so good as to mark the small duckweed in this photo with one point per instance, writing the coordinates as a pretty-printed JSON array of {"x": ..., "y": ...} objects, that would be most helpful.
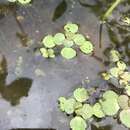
[{"x": 67, "y": 43}]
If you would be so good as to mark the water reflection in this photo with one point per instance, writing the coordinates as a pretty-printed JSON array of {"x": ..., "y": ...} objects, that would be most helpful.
[
  {"x": 107, "y": 127},
  {"x": 17, "y": 89}
]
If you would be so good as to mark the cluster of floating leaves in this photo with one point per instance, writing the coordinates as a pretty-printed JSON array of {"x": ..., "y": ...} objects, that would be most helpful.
[
  {"x": 110, "y": 104},
  {"x": 69, "y": 42},
  {"x": 118, "y": 73},
  {"x": 23, "y": 2}
]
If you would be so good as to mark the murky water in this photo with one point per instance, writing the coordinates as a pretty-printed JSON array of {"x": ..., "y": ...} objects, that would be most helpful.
[{"x": 30, "y": 87}]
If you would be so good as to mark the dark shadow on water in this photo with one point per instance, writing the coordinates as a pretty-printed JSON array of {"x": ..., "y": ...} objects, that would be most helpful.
[
  {"x": 107, "y": 127},
  {"x": 17, "y": 89}
]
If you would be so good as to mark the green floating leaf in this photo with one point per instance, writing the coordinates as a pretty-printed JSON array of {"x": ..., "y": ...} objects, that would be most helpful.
[
  {"x": 44, "y": 52},
  {"x": 125, "y": 117},
  {"x": 62, "y": 101},
  {"x": 68, "y": 43},
  {"x": 51, "y": 53},
  {"x": 59, "y": 38},
  {"x": 69, "y": 35},
  {"x": 69, "y": 106},
  {"x": 81, "y": 94},
  {"x": 106, "y": 76},
  {"x": 110, "y": 106},
  {"x": 78, "y": 105},
  {"x": 86, "y": 111},
  {"x": 47, "y": 53},
  {"x": 86, "y": 47},
  {"x": 24, "y": 1},
  {"x": 114, "y": 71},
  {"x": 123, "y": 101},
  {"x": 114, "y": 56},
  {"x": 48, "y": 41},
  {"x": 121, "y": 65},
  {"x": 125, "y": 76},
  {"x": 110, "y": 95},
  {"x": 68, "y": 53},
  {"x": 97, "y": 110},
  {"x": 77, "y": 123},
  {"x": 70, "y": 27},
  {"x": 127, "y": 88},
  {"x": 79, "y": 39}
]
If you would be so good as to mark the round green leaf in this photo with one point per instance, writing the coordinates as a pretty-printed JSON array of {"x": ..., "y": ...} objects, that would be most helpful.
[
  {"x": 127, "y": 88},
  {"x": 97, "y": 110},
  {"x": 81, "y": 94},
  {"x": 70, "y": 27},
  {"x": 77, "y": 123},
  {"x": 68, "y": 53},
  {"x": 62, "y": 101},
  {"x": 114, "y": 71},
  {"x": 123, "y": 101},
  {"x": 59, "y": 38},
  {"x": 44, "y": 52},
  {"x": 68, "y": 43},
  {"x": 86, "y": 111},
  {"x": 125, "y": 117},
  {"x": 24, "y": 1},
  {"x": 125, "y": 76},
  {"x": 51, "y": 53},
  {"x": 69, "y": 105},
  {"x": 79, "y": 39},
  {"x": 110, "y": 107},
  {"x": 78, "y": 105},
  {"x": 69, "y": 35},
  {"x": 114, "y": 56},
  {"x": 86, "y": 47},
  {"x": 121, "y": 65},
  {"x": 110, "y": 95},
  {"x": 48, "y": 41}
]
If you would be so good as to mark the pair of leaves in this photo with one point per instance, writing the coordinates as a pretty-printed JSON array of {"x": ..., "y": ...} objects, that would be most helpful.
[
  {"x": 47, "y": 53},
  {"x": 109, "y": 103}
]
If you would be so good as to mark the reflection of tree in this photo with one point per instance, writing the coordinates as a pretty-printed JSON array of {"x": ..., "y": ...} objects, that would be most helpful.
[{"x": 17, "y": 89}]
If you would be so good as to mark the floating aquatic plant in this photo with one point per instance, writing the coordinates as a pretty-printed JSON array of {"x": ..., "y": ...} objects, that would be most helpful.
[
  {"x": 70, "y": 27},
  {"x": 81, "y": 94},
  {"x": 86, "y": 111},
  {"x": 47, "y": 53},
  {"x": 123, "y": 101},
  {"x": 78, "y": 123},
  {"x": 68, "y": 42},
  {"x": 48, "y": 41},
  {"x": 118, "y": 73},
  {"x": 68, "y": 53},
  {"x": 86, "y": 47},
  {"x": 114, "y": 56},
  {"x": 107, "y": 109},
  {"x": 110, "y": 104},
  {"x": 125, "y": 117},
  {"x": 59, "y": 38},
  {"x": 79, "y": 39},
  {"x": 67, "y": 105},
  {"x": 97, "y": 110}
]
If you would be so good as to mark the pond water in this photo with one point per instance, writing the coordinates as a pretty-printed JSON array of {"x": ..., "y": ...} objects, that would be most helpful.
[{"x": 21, "y": 30}]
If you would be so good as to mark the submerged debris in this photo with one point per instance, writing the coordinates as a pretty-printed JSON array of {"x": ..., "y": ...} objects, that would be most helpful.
[{"x": 18, "y": 68}]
